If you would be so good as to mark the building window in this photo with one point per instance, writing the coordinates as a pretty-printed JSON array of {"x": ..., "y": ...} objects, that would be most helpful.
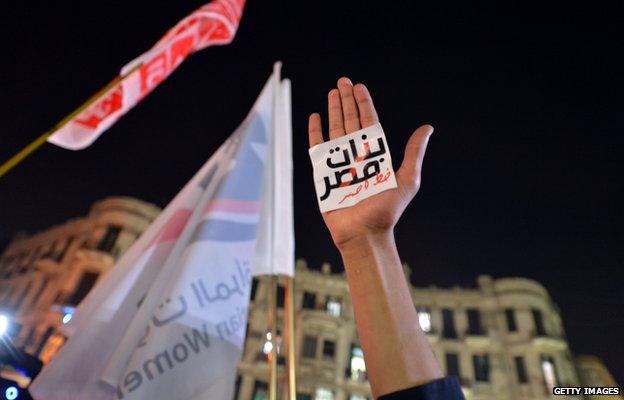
[
  {"x": 357, "y": 367},
  {"x": 329, "y": 349},
  {"x": 254, "y": 288},
  {"x": 237, "y": 385},
  {"x": 452, "y": 364},
  {"x": 424, "y": 319},
  {"x": 538, "y": 320},
  {"x": 87, "y": 280},
  {"x": 510, "y": 317},
  {"x": 550, "y": 373},
  {"x": 357, "y": 397},
  {"x": 37, "y": 295},
  {"x": 323, "y": 394},
  {"x": 521, "y": 369},
  {"x": 481, "y": 364},
  {"x": 304, "y": 396},
  {"x": 309, "y": 300},
  {"x": 309, "y": 347},
  {"x": 108, "y": 240},
  {"x": 333, "y": 307},
  {"x": 474, "y": 322},
  {"x": 22, "y": 295},
  {"x": 448, "y": 325},
  {"x": 261, "y": 391},
  {"x": 281, "y": 294}
]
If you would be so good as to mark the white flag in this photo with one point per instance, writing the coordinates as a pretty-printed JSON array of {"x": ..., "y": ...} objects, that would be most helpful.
[{"x": 168, "y": 322}]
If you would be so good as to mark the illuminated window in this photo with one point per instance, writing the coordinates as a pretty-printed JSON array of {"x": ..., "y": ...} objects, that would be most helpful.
[
  {"x": 333, "y": 307},
  {"x": 357, "y": 367},
  {"x": 323, "y": 394},
  {"x": 550, "y": 373},
  {"x": 424, "y": 319},
  {"x": 51, "y": 343}
]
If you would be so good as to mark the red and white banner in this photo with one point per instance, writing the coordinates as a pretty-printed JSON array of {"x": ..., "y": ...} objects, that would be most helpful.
[{"x": 212, "y": 24}]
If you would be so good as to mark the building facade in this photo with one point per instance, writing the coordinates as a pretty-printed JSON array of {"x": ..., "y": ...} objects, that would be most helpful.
[
  {"x": 503, "y": 339},
  {"x": 44, "y": 276}
]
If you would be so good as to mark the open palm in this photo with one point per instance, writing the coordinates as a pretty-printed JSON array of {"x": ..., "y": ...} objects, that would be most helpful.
[{"x": 351, "y": 108}]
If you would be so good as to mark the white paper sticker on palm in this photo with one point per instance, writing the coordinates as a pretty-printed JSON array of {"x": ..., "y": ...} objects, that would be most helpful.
[{"x": 352, "y": 168}]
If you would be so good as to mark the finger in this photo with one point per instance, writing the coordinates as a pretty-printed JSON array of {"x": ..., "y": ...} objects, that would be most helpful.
[
  {"x": 368, "y": 115},
  {"x": 334, "y": 108},
  {"x": 415, "y": 154},
  {"x": 350, "y": 112},
  {"x": 315, "y": 132}
]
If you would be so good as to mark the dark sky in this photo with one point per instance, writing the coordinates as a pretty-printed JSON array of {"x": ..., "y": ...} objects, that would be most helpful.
[{"x": 523, "y": 176}]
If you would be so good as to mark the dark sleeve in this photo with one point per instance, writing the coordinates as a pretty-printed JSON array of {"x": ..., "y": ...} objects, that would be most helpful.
[{"x": 442, "y": 389}]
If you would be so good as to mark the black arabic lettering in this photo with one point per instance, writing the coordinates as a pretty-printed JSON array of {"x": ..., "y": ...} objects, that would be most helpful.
[
  {"x": 181, "y": 312},
  {"x": 346, "y": 160},
  {"x": 375, "y": 169}
]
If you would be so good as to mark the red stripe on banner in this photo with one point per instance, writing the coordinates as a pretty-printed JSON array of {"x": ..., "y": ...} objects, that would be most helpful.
[
  {"x": 233, "y": 206},
  {"x": 173, "y": 228}
]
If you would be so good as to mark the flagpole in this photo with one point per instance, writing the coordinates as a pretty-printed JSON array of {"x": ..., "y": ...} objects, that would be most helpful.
[
  {"x": 290, "y": 332},
  {"x": 35, "y": 144},
  {"x": 273, "y": 330}
]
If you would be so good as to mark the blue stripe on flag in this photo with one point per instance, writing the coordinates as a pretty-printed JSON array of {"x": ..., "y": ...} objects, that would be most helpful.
[{"x": 225, "y": 231}]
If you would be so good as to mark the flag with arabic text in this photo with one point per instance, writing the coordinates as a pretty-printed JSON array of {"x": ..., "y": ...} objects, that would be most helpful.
[
  {"x": 212, "y": 24},
  {"x": 168, "y": 321}
]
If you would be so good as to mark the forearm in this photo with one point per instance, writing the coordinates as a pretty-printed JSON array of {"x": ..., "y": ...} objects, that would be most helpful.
[{"x": 396, "y": 350}]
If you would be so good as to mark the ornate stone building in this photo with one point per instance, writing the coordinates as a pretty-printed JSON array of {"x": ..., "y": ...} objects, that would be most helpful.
[
  {"x": 44, "y": 276},
  {"x": 593, "y": 373},
  {"x": 503, "y": 339}
]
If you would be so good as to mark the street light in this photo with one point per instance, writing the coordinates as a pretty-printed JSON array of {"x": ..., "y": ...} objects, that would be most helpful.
[{"x": 4, "y": 324}]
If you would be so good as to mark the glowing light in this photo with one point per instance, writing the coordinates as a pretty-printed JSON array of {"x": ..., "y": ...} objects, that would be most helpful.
[
  {"x": 4, "y": 324},
  {"x": 424, "y": 318},
  {"x": 11, "y": 393},
  {"x": 268, "y": 345},
  {"x": 66, "y": 318}
]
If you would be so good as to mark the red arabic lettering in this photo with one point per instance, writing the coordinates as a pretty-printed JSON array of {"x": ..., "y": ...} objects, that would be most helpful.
[
  {"x": 381, "y": 178},
  {"x": 352, "y": 194},
  {"x": 94, "y": 115}
]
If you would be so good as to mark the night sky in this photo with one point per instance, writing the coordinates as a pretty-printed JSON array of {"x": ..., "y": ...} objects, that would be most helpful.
[{"x": 523, "y": 176}]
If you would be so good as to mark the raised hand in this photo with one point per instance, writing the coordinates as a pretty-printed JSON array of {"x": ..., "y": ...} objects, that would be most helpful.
[{"x": 351, "y": 108}]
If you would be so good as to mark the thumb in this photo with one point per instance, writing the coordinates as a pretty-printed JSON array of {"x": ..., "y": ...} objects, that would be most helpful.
[{"x": 415, "y": 154}]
